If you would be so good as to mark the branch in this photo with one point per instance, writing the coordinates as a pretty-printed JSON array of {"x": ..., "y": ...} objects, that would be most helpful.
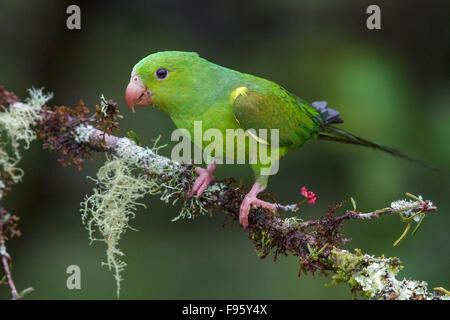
[
  {"x": 412, "y": 207},
  {"x": 5, "y": 257},
  {"x": 317, "y": 242},
  {"x": 282, "y": 236},
  {"x": 8, "y": 230}
]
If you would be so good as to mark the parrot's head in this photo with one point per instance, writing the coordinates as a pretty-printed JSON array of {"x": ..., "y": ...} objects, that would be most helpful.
[{"x": 164, "y": 80}]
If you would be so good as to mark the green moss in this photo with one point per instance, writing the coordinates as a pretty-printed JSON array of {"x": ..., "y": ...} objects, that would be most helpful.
[{"x": 344, "y": 264}]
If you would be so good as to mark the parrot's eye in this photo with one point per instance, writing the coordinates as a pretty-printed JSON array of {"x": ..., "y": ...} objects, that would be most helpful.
[{"x": 161, "y": 73}]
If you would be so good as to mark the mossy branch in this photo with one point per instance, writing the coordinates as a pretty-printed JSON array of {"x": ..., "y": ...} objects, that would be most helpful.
[
  {"x": 132, "y": 171},
  {"x": 371, "y": 276}
]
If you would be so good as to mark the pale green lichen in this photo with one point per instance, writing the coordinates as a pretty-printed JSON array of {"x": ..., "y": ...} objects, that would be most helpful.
[
  {"x": 107, "y": 212},
  {"x": 173, "y": 187},
  {"x": 406, "y": 208},
  {"x": 146, "y": 157},
  {"x": 8, "y": 165},
  {"x": 121, "y": 184},
  {"x": 83, "y": 133},
  {"x": 378, "y": 281},
  {"x": 375, "y": 277},
  {"x": 16, "y": 128},
  {"x": 188, "y": 208},
  {"x": 17, "y": 121},
  {"x": 291, "y": 222}
]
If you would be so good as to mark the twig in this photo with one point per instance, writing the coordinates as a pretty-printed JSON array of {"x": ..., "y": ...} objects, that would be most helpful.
[
  {"x": 8, "y": 229},
  {"x": 5, "y": 258},
  {"x": 354, "y": 215}
]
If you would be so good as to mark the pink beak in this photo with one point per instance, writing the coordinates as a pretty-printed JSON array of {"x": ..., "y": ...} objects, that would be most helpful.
[{"x": 137, "y": 94}]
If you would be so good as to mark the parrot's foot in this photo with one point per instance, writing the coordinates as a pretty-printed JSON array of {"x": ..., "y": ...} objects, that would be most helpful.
[
  {"x": 251, "y": 200},
  {"x": 205, "y": 177}
]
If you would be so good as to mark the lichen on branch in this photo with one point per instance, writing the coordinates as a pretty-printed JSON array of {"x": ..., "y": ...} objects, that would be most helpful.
[
  {"x": 17, "y": 122},
  {"x": 107, "y": 212},
  {"x": 315, "y": 242},
  {"x": 131, "y": 172}
]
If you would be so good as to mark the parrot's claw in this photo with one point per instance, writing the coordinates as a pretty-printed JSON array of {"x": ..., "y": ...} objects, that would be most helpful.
[
  {"x": 205, "y": 177},
  {"x": 251, "y": 200}
]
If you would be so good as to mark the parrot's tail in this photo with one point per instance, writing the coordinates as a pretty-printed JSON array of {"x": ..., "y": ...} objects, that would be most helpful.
[{"x": 335, "y": 134}]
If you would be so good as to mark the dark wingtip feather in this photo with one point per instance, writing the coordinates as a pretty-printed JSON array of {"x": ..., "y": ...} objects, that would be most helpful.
[
  {"x": 336, "y": 134},
  {"x": 330, "y": 116}
]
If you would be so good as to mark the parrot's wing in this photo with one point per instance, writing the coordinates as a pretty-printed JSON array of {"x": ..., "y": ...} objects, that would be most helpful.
[{"x": 276, "y": 109}]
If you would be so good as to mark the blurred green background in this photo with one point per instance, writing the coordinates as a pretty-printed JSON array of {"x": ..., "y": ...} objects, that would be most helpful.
[{"x": 390, "y": 85}]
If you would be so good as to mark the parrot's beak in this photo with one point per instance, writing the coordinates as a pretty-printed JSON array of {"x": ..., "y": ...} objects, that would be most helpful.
[{"x": 137, "y": 94}]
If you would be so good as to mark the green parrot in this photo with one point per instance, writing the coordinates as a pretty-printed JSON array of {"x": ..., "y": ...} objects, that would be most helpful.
[{"x": 190, "y": 89}]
